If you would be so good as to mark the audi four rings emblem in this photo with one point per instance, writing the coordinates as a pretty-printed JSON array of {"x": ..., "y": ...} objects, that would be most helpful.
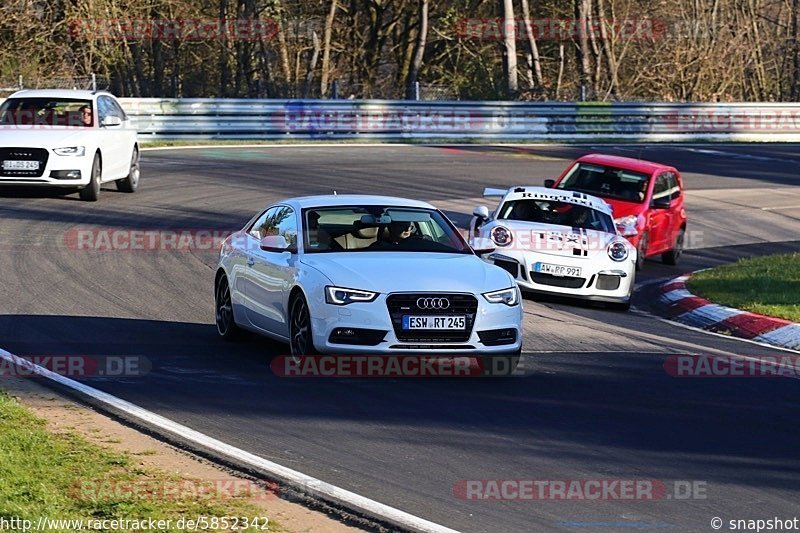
[{"x": 433, "y": 303}]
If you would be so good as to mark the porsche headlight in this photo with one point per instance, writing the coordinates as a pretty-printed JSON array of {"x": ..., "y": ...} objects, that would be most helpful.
[
  {"x": 627, "y": 225},
  {"x": 342, "y": 296},
  {"x": 618, "y": 251},
  {"x": 77, "y": 151},
  {"x": 501, "y": 236},
  {"x": 509, "y": 296}
]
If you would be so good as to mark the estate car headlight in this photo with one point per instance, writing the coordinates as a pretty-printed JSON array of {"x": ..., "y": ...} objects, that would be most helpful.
[
  {"x": 77, "y": 151},
  {"x": 508, "y": 296},
  {"x": 627, "y": 225},
  {"x": 618, "y": 251},
  {"x": 342, "y": 296},
  {"x": 501, "y": 236}
]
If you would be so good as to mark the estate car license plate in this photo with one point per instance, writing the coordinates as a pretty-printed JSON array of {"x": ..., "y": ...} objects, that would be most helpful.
[
  {"x": 557, "y": 270},
  {"x": 20, "y": 165},
  {"x": 434, "y": 322}
]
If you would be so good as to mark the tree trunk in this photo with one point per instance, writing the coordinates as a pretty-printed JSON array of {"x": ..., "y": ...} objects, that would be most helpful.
[
  {"x": 422, "y": 37},
  {"x": 510, "y": 48},
  {"x": 607, "y": 49},
  {"x": 312, "y": 65},
  {"x": 582, "y": 10},
  {"x": 796, "y": 50},
  {"x": 326, "y": 49},
  {"x": 534, "y": 62}
]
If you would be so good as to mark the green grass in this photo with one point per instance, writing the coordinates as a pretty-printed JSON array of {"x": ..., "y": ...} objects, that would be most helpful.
[
  {"x": 764, "y": 285},
  {"x": 62, "y": 476}
]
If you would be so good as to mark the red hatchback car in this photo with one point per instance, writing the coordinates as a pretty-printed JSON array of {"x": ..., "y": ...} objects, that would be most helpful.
[{"x": 646, "y": 198}]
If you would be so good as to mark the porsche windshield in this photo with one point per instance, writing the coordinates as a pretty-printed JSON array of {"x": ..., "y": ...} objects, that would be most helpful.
[
  {"x": 557, "y": 213},
  {"x": 43, "y": 112},
  {"x": 379, "y": 229},
  {"x": 606, "y": 182}
]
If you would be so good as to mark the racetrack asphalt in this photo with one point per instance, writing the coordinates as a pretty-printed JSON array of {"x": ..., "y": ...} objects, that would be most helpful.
[{"x": 595, "y": 402}]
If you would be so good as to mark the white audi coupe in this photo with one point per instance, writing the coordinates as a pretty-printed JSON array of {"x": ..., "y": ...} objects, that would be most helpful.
[{"x": 364, "y": 274}]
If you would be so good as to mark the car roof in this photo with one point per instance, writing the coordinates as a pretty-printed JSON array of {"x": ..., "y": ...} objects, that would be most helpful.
[
  {"x": 560, "y": 195},
  {"x": 628, "y": 163},
  {"x": 333, "y": 200},
  {"x": 58, "y": 93}
]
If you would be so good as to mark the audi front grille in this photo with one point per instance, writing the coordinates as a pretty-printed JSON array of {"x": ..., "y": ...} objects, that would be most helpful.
[
  {"x": 431, "y": 304},
  {"x": 23, "y": 154}
]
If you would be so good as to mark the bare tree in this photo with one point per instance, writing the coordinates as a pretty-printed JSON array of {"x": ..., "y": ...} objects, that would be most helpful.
[
  {"x": 422, "y": 37},
  {"x": 510, "y": 48},
  {"x": 533, "y": 60},
  {"x": 326, "y": 48}
]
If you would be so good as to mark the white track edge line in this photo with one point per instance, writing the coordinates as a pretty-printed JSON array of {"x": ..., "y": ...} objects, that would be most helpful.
[
  {"x": 309, "y": 484},
  {"x": 145, "y": 148}
]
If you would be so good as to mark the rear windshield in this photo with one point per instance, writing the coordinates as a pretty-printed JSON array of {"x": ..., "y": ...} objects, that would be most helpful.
[{"x": 606, "y": 182}]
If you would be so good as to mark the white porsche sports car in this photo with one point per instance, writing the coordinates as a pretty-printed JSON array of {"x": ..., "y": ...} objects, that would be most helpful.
[
  {"x": 556, "y": 241},
  {"x": 364, "y": 274},
  {"x": 67, "y": 138}
]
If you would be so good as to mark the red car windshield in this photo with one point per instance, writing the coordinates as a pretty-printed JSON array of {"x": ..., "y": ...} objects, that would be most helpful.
[{"x": 606, "y": 182}]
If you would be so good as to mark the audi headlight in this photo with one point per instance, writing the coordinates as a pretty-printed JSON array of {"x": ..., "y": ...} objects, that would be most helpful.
[
  {"x": 618, "y": 251},
  {"x": 77, "y": 151},
  {"x": 501, "y": 236},
  {"x": 627, "y": 225},
  {"x": 342, "y": 296},
  {"x": 508, "y": 296}
]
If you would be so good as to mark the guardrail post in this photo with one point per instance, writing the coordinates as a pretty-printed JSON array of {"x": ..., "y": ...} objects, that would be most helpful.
[
  {"x": 335, "y": 90},
  {"x": 94, "y": 81}
]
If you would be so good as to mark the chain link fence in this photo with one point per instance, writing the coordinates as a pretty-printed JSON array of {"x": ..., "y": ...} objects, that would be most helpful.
[{"x": 89, "y": 83}]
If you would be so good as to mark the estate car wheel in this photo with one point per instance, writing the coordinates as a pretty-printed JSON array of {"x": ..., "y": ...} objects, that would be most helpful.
[
  {"x": 131, "y": 182},
  {"x": 301, "y": 341},
  {"x": 671, "y": 257},
  {"x": 91, "y": 192},
  {"x": 223, "y": 315}
]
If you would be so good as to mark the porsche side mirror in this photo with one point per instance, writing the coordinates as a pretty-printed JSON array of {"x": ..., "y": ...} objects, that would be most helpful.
[
  {"x": 549, "y": 183},
  {"x": 481, "y": 212}
]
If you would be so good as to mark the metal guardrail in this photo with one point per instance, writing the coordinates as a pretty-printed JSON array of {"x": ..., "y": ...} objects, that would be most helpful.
[
  {"x": 399, "y": 120},
  {"x": 197, "y": 119}
]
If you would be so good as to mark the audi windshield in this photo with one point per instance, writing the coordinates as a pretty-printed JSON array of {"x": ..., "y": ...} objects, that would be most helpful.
[{"x": 377, "y": 228}]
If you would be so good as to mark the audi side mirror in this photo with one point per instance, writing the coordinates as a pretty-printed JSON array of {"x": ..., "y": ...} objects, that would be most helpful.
[{"x": 275, "y": 243}]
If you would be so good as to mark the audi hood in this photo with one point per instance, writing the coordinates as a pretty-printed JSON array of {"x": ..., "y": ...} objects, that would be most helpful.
[
  {"x": 51, "y": 137},
  {"x": 387, "y": 272}
]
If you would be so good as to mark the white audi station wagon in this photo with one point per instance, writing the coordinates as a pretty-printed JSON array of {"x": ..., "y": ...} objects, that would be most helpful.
[{"x": 67, "y": 138}]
